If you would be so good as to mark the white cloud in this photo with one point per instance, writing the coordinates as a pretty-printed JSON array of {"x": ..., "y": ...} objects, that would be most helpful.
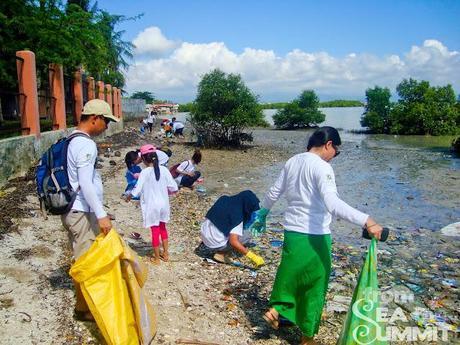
[
  {"x": 176, "y": 75},
  {"x": 151, "y": 41}
]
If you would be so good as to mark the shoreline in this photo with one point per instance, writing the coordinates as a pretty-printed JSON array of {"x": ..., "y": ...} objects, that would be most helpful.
[{"x": 192, "y": 298}]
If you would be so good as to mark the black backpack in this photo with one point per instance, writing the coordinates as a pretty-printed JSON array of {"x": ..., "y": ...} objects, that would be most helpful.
[{"x": 53, "y": 187}]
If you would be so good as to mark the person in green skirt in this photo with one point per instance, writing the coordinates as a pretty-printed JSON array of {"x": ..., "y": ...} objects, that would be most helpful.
[{"x": 308, "y": 183}]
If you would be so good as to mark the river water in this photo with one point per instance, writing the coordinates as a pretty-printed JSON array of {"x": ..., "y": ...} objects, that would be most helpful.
[{"x": 405, "y": 182}]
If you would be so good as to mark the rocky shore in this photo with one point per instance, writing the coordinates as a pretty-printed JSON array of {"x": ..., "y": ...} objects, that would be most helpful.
[{"x": 198, "y": 301}]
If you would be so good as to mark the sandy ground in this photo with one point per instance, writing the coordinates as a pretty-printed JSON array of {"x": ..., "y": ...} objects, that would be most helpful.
[
  {"x": 193, "y": 299},
  {"x": 36, "y": 294}
]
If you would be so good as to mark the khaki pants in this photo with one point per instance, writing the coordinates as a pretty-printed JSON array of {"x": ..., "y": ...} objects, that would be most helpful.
[{"x": 82, "y": 228}]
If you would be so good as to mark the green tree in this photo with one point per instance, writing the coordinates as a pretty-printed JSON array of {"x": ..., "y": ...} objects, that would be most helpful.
[
  {"x": 147, "y": 95},
  {"x": 118, "y": 51},
  {"x": 341, "y": 103},
  {"x": 301, "y": 112},
  {"x": 223, "y": 109},
  {"x": 84, "y": 4},
  {"x": 423, "y": 109},
  {"x": 277, "y": 105},
  {"x": 13, "y": 37},
  {"x": 73, "y": 35},
  {"x": 377, "y": 110},
  {"x": 186, "y": 107}
]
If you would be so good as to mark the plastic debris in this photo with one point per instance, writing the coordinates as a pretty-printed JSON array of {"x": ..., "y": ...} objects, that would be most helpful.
[
  {"x": 276, "y": 243},
  {"x": 450, "y": 283}
]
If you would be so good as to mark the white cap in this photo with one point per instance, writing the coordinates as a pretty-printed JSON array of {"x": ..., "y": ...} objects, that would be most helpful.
[{"x": 99, "y": 107}]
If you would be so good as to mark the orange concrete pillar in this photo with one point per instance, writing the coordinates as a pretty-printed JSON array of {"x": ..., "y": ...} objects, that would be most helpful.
[
  {"x": 120, "y": 104},
  {"x": 108, "y": 95},
  {"x": 114, "y": 101},
  {"x": 91, "y": 89},
  {"x": 56, "y": 76},
  {"x": 100, "y": 90},
  {"x": 78, "y": 95},
  {"x": 28, "y": 100}
]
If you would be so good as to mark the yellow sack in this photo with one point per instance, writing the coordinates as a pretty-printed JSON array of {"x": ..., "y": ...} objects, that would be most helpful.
[
  {"x": 135, "y": 274},
  {"x": 99, "y": 274}
]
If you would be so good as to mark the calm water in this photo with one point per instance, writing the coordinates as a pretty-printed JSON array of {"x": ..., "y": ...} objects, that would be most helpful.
[
  {"x": 344, "y": 118},
  {"x": 348, "y": 119}
]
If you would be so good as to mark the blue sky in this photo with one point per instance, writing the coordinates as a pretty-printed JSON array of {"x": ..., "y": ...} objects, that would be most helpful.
[{"x": 337, "y": 48}]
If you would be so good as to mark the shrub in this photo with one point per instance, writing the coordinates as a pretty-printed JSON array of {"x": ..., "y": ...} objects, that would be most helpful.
[
  {"x": 301, "y": 112},
  {"x": 223, "y": 109}
]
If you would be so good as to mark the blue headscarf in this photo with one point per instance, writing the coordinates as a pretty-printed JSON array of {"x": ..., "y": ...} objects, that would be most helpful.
[{"x": 229, "y": 211}]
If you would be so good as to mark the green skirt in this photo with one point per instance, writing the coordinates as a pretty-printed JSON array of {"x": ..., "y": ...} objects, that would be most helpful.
[{"x": 302, "y": 278}]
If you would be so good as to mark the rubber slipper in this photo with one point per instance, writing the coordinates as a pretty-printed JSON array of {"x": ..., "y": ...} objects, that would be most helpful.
[
  {"x": 271, "y": 320},
  {"x": 154, "y": 261},
  {"x": 223, "y": 259},
  {"x": 135, "y": 235}
]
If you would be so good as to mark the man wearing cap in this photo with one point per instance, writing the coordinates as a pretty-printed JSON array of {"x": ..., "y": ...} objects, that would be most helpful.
[{"x": 87, "y": 217}]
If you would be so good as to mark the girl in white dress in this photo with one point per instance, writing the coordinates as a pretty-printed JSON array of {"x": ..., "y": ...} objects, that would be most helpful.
[{"x": 154, "y": 186}]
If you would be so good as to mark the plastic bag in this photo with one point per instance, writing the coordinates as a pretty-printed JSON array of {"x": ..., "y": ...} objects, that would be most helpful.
[
  {"x": 135, "y": 273},
  {"x": 111, "y": 277},
  {"x": 361, "y": 326},
  {"x": 259, "y": 225}
]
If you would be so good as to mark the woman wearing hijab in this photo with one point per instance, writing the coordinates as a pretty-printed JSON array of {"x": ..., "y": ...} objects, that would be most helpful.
[
  {"x": 308, "y": 183},
  {"x": 226, "y": 224}
]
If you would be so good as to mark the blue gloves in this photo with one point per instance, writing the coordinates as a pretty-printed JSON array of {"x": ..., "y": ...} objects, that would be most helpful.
[{"x": 259, "y": 224}]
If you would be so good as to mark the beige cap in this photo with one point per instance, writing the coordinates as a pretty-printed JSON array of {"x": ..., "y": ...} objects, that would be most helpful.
[{"x": 99, "y": 107}]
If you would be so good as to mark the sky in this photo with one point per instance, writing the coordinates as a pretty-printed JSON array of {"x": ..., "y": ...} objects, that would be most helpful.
[{"x": 336, "y": 48}]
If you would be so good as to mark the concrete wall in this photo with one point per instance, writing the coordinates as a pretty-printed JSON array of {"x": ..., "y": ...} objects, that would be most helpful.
[
  {"x": 133, "y": 108},
  {"x": 19, "y": 154}
]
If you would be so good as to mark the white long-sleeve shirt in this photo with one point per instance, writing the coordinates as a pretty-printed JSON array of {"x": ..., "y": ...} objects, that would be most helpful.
[
  {"x": 154, "y": 195},
  {"x": 308, "y": 183},
  {"x": 81, "y": 158}
]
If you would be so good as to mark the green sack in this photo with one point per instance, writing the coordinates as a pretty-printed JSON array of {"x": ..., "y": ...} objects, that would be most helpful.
[{"x": 361, "y": 326}]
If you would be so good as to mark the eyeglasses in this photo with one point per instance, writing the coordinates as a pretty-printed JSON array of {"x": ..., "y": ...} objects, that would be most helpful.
[
  {"x": 337, "y": 152},
  {"x": 106, "y": 120}
]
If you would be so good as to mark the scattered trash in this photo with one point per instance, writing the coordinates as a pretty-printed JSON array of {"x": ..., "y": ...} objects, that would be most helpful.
[
  {"x": 201, "y": 190},
  {"x": 414, "y": 288},
  {"x": 451, "y": 229},
  {"x": 339, "y": 304},
  {"x": 276, "y": 243},
  {"x": 233, "y": 323},
  {"x": 449, "y": 283},
  {"x": 194, "y": 342},
  {"x": 210, "y": 261},
  {"x": 135, "y": 235}
]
